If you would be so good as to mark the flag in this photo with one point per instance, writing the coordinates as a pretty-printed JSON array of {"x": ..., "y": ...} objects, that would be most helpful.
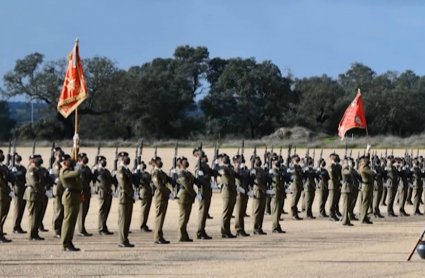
[
  {"x": 353, "y": 117},
  {"x": 74, "y": 90}
]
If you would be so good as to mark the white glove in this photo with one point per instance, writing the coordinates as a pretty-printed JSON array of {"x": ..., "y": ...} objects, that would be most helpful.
[
  {"x": 76, "y": 167},
  {"x": 271, "y": 171},
  {"x": 56, "y": 180},
  {"x": 171, "y": 196},
  {"x": 216, "y": 161},
  {"x": 269, "y": 192},
  {"x": 287, "y": 191},
  {"x": 200, "y": 173},
  {"x": 350, "y": 163},
  {"x": 49, "y": 195},
  {"x": 242, "y": 165},
  {"x": 374, "y": 171},
  {"x": 135, "y": 196},
  {"x": 11, "y": 194},
  {"x": 318, "y": 169},
  {"x": 51, "y": 172},
  {"x": 410, "y": 185},
  {"x": 368, "y": 148},
  {"x": 198, "y": 197},
  {"x": 253, "y": 172},
  {"x": 93, "y": 191},
  {"x": 214, "y": 185},
  {"x": 139, "y": 167},
  {"x": 250, "y": 194},
  {"x": 174, "y": 171},
  {"x": 386, "y": 185},
  {"x": 240, "y": 189},
  {"x": 76, "y": 137},
  {"x": 114, "y": 194}
]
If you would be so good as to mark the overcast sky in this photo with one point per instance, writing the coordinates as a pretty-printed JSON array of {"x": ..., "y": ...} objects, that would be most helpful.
[{"x": 308, "y": 37}]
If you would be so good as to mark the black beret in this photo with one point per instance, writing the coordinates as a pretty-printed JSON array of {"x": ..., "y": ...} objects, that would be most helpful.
[
  {"x": 82, "y": 155},
  {"x": 236, "y": 157},
  {"x": 58, "y": 149},
  {"x": 155, "y": 158},
  {"x": 294, "y": 156},
  {"x": 32, "y": 156},
  {"x": 65, "y": 157},
  {"x": 181, "y": 158},
  {"x": 195, "y": 150},
  {"x": 37, "y": 156},
  {"x": 101, "y": 157},
  {"x": 122, "y": 154},
  {"x": 275, "y": 157}
]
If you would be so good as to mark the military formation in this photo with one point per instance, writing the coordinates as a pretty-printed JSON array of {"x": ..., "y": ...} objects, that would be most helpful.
[{"x": 369, "y": 181}]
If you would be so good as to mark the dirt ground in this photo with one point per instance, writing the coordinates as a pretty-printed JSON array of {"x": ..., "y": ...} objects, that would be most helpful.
[{"x": 310, "y": 248}]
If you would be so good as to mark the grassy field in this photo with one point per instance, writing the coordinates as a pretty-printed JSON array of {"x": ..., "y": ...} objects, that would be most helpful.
[{"x": 310, "y": 248}]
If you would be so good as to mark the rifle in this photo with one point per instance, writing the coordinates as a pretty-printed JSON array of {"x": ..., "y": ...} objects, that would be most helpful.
[
  {"x": 136, "y": 159},
  {"x": 114, "y": 172},
  {"x": 14, "y": 153},
  {"x": 140, "y": 152},
  {"x": 254, "y": 156},
  {"x": 270, "y": 158},
  {"x": 116, "y": 158},
  {"x": 52, "y": 156},
  {"x": 288, "y": 160},
  {"x": 295, "y": 149},
  {"x": 9, "y": 156},
  {"x": 174, "y": 170},
  {"x": 214, "y": 163},
  {"x": 199, "y": 164},
  {"x": 265, "y": 157},
  {"x": 314, "y": 155},
  {"x": 386, "y": 153},
  {"x": 33, "y": 148},
  {"x": 242, "y": 151},
  {"x": 351, "y": 152},
  {"x": 346, "y": 150},
  {"x": 320, "y": 158},
  {"x": 96, "y": 160},
  {"x": 358, "y": 161}
]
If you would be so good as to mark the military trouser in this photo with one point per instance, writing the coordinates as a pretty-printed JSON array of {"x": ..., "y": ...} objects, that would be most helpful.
[
  {"x": 57, "y": 214},
  {"x": 309, "y": 198},
  {"x": 276, "y": 206},
  {"x": 4, "y": 211},
  {"x": 402, "y": 196},
  {"x": 84, "y": 210},
  {"x": 323, "y": 197},
  {"x": 332, "y": 202},
  {"x": 337, "y": 199},
  {"x": 240, "y": 208},
  {"x": 353, "y": 199},
  {"x": 68, "y": 225},
  {"x": 409, "y": 195},
  {"x": 392, "y": 191},
  {"x": 125, "y": 212},
  {"x": 228, "y": 207},
  {"x": 34, "y": 214},
  {"x": 377, "y": 195},
  {"x": 18, "y": 208},
  {"x": 185, "y": 210},
  {"x": 146, "y": 204},
  {"x": 384, "y": 196},
  {"x": 346, "y": 203},
  {"x": 303, "y": 200},
  {"x": 417, "y": 195},
  {"x": 258, "y": 207},
  {"x": 161, "y": 211},
  {"x": 367, "y": 199},
  {"x": 268, "y": 205},
  {"x": 204, "y": 207},
  {"x": 105, "y": 204},
  {"x": 296, "y": 194},
  {"x": 43, "y": 211}
]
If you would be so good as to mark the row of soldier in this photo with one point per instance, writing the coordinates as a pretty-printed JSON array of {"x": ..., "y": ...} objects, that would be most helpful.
[{"x": 269, "y": 181}]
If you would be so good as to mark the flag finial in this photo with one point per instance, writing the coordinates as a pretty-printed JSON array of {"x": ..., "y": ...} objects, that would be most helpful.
[
  {"x": 76, "y": 41},
  {"x": 358, "y": 90}
]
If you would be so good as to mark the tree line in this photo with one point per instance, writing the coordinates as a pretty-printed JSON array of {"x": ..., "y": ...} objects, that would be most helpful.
[{"x": 241, "y": 98}]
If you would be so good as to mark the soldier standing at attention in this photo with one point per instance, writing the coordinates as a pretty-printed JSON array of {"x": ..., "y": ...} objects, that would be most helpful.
[
  {"x": 309, "y": 187},
  {"x": 34, "y": 196},
  {"x": 378, "y": 188},
  {"x": 367, "y": 186},
  {"x": 356, "y": 179},
  {"x": 405, "y": 175},
  {"x": 71, "y": 199},
  {"x": 260, "y": 193},
  {"x": 6, "y": 195},
  {"x": 57, "y": 194},
  {"x": 145, "y": 195},
  {"x": 104, "y": 185},
  {"x": 86, "y": 177},
  {"x": 126, "y": 199},
  {"x": 186, "y": 197},
  {"x": 278, "y": 196},
  {"x": 417, "y": 187},
  {"x": 19, "y": 172},
  {"x": 241, "y": 198},
  {"x": 162, "y": 195},
  {"x": 47, "y": 183},
  {"x": 334, "y": 186},
  {"x": 346, "y": 189},
  {"x": 393, "y": 180},
  {"x": 296, "y": 185},
  {"x": 228, "y": 193},
  {"x": 204, "y": 175},
  {"x": 323, "y": 175}
]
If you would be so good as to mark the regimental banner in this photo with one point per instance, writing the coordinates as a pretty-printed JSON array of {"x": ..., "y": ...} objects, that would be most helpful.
[{"x": 353, "y": 117}]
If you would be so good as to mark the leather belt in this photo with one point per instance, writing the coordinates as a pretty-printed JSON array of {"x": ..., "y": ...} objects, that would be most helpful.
[{"x": 72, "y": 190}]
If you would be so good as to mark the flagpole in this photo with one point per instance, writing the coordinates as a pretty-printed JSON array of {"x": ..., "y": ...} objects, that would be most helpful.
[
  {"x": 367, "y": 132},
  {"x": 76, "y": 109}
]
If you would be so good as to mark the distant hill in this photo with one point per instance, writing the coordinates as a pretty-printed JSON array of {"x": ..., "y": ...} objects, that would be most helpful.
[{"x": 21, "y": 111}]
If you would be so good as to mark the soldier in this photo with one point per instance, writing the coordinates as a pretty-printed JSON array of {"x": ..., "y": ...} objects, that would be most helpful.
[
  {"x": 162, "y": 195},
  {"x": 355, "y": 190},
  {"x": 241, "y": 197},
  {"x": 228, "y": 193},
  {"x": 296, "y": 185},
  {"x": 186, "y": 197},
  {"x": 287, "y": 180},
  {"x": 204, "y": 175},
  {"x": 393, "y": 180},
  {"x": 19, "y": 173},
  {"x": 384, "y": 189},
  {"x": 6, "y": 195},
  {"x": 86, "y": 177},
  {"x": 47, "y": 183},
  {"x": 309, "y": 186},
  {"x": 145, "y": 195},
  {"x": 260, "y": 193},
  {"x": 417, "y": 187},
  {"x": 268, "y": 197},
  {"x": 367, "y": 186},
  {"x": 323, "y": 187},
  {"x": 346, "y": 190},
  {"x": 34, "y": 196},
  {"x": 378, "y": 188},
  {"x": 57, "y": 194},
  {"x": 126, "y": 199},
  {"x": 71, "y": 199},
  {"x": 278, "y": 182},
  {"x": 334, "y": 186},
  {"x": 405, "y": 175},
  {"x": 104, "y": 186}
]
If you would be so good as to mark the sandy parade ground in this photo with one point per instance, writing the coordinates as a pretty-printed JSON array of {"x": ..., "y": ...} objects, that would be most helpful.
[{"x": 310, "y": 248}]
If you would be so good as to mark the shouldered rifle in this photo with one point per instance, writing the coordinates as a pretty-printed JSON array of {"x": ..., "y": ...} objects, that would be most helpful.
[
  {"x": 33, "y": 148},
  {"x": 136, "y": 159},
  {"x": 242, "y": 151},
  {"x": 358, "y": 161},
  {"x": 14, "y": 153},
  {"x": 314, "y": 155},
  {"x": 140, "y": 152},
  {"x": 254, "y": 156},
  {"x": 265, "y": 157},
  {"x": 215, "y": 162},
  {"x": 174, "y": 170},
  {"x": 288, "y": 160},
  {"x": 351, "y": 153},
  {"x": 346, "y": 150},
  {"x": 295, "y": 149},
  {"x": 320, "y": 158},
  {"x": 52, "y": 156},
  {"x": 116, "y": 158},
  {"x": 9, "y": 155},
  {"x": 97, "y": 155}
]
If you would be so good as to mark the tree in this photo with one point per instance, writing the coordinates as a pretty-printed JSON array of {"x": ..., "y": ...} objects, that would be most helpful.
[{"x": 7, "y": 124}]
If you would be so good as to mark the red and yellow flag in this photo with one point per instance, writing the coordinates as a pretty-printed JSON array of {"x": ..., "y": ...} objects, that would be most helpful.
[
  {"x": 353, "y": 117},
  {"x": 74, "y": 90}
]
